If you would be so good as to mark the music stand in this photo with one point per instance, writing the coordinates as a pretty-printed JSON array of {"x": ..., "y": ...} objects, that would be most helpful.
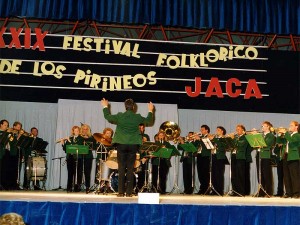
[
  {"x": 78, "y": 150},
  {"x": 190, "y": 148},
  {"x": 175, "y": 153},
  {"x": 149, "y": 148},
  {"x": 257, "y": 141},
  {"x": 210, "y": 147},
  {"x": 59, "y": 187},
  {"x": 162, "y": 153}
]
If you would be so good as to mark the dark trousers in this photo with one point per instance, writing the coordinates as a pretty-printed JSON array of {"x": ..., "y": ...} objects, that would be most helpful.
[
  {"x": 1, "y": 174},
  {"x": 71, "y": 166},
  {"x": 84, "y": 167},
  {"x": 266, "y": 178},
  {"x": 247, "y": 178},
  {"x": 163, "y": 173},
  {"x": 291, "y": 176},
  {"x": 280, "y": 190},
  {"x": 238, "y": 168},
  {"x": 141, "y": 175},
  {"x": 203, "y": 172},
  {"x": 126, "y": 159},
  {"x": 187, "y": 172},
  {"x": 10, "y": 173},
  {"x": 218, "y": 170}
]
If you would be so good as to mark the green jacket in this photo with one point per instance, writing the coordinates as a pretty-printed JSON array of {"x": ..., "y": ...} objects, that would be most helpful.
[
  {"x": 221, "y": 151},
  {"x": 127, "y": 131},
  {"x": 2, "y": 146},
  {"x": 265, "y": 153},
  {"x": 242, "y": 147},
  {"x": 204, "y": 151},
  {"x": 14, "y": 151},
  {"x": 280, "y": 150},
  {"x": 293, "y": 146}
]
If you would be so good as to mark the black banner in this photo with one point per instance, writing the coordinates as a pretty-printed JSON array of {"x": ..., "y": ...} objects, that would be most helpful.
[{"x": 37, "y": 66}]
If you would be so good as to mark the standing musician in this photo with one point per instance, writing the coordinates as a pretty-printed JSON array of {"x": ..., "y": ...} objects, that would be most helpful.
[
  {"x": 264, "y": 155},
  {"x": 74, "y": 139},
  {"x": 85, "y": 162},
  {"x": 238, "y": 162},
  {"x": 279, "y": 151},
  {"x": 13, "y": 156},
  {"x": 203, "y": 160},
  {"x": 160, "y": 175},
  {"x": 291, "y": 171},
  {"x": 219, "y": 160},
  {"x": 128, "y": 140},
  {"x": 188, "y": 162},
  {"x": 3, "y": 127}
]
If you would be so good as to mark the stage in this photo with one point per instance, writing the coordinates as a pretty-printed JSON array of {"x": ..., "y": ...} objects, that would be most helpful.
[{"x": 58, "y": 207}]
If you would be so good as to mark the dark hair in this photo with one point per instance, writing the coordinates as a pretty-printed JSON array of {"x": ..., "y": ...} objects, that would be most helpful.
[
  {"x": 223, "y": 129},
  {"x": 268, "y": 124},
  {"x": 241, "y": 126},
  {"x": 129, "y": 104},
  {"x": 34, "y": 128},
  {"x": 2, "y": 122},
  {"x": 17, "y": 123},
  {"x": 142, "y": 125},
  {"x": 206, "y": 128}
]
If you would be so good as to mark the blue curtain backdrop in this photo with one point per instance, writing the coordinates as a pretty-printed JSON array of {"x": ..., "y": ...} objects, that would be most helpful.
[
  {"x": 67, "y": 213},
  {"x": 262, "y": 16}
]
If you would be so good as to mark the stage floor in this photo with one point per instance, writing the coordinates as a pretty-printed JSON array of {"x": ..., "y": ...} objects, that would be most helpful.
[{"x": 178, "y": 199}]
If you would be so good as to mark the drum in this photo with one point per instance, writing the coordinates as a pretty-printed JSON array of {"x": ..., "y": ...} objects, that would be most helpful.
[
  {"x": 36, "y": 168},
  {"x": 105, "y": 171},
  {"x": 112, "y": 161},
  {"x": 114, "y": 183}
]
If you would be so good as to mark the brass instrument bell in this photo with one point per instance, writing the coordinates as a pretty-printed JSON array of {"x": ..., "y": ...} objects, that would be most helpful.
[{"x": 171, "y": 130}]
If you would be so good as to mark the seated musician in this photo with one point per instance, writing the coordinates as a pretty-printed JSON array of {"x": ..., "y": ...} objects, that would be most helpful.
[
  {"x": 105, "y": 144},
  {"x": 31, "y": 150},
  {"x": 143, "y": 166},
  {"x": 85, "y": 162},
  {"x": 162, "y": 163},
  {"x": 74, "y": 139}
]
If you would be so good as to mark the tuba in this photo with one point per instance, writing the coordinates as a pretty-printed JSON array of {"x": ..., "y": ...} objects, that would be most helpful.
[{"x": 171, "y": 129}]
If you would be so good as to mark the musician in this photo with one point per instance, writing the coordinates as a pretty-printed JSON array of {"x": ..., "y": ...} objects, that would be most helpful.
[
  {"x": 203, "y": 160},
  {"x": 219, "y": 160},
  {"x": 238, "y": 162},
  {"x": 163, "y": 163},
  {"x": 279, "y": 151},
  {"x": 188, "y": 161},
  {"x": 127, "y": 137},
  {"x": 291, "y": 171},
  {"x": 31, "y": 150},
  {"x": 12, "y": 159},
  {"x": 74, "y": 139},
  {"x": 143, "y": 166},
  {"x": 85, "y": 161},
  {"x": 106, "y": 139},
  {"x": 264, "y": 155},
  {"x": 3, "y": 127}
]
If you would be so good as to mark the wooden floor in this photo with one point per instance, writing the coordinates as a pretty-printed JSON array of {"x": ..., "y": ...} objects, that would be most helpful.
[{"x": 180, "y": 199}]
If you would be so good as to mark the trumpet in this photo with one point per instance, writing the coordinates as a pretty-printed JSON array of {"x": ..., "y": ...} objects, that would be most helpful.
[{"x": 279, "y": 130}]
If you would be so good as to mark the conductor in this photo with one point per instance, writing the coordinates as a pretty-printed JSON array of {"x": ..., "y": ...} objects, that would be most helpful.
[{"x": 127, "y": 139}]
